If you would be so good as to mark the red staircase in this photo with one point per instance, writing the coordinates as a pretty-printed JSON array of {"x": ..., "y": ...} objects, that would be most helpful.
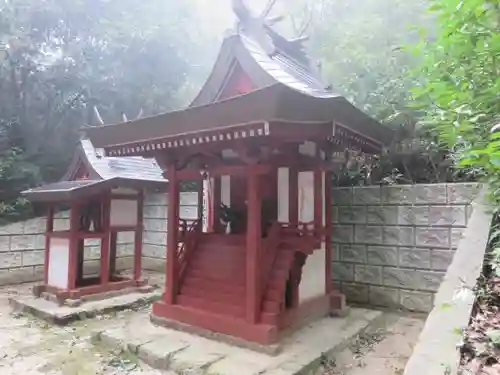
[{"x": 214, "y": 277}]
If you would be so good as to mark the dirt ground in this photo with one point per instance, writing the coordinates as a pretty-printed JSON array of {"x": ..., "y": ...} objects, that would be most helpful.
[
  {"x": 381, "y": 350},
  {"x": 29, "y": 346}
]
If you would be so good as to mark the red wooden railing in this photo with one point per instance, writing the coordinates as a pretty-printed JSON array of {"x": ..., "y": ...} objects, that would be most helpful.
[
  {"x": 304, "y": 236},
  {"x": 269, "y": 250},
  {"x": 189, "y": 235},
  {"x": 297, "y": 237}
]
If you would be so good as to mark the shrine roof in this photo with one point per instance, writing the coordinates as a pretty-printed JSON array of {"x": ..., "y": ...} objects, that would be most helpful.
[
  {"x": 65, "y": 191},
  {"x": 286, "y": 87},
  {"x": 276, "y": 103},
  {"x": 106, "y": 167}
]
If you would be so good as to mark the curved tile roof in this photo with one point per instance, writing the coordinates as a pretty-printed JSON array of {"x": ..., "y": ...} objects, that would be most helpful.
[{"x": 107, "y": 167}]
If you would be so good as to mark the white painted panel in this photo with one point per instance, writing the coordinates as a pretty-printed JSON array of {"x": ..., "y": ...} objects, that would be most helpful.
[
  {"x": 313, "y": 279},
  {"x": 207, "y": 202},
  {"x": 123, "y": 212},
  {"x": 306, "y": 196},
  {"x": 58, "y": 263},
  {"x": 122, "y": 190},
  {"x": 225, "y": 190},
  {"x": 283, "y": 195},
  {"x": 308, "y": 148}
]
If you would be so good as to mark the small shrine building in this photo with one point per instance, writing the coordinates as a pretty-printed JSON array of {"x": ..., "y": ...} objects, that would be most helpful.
[
  {"x": 104, "y": 196},
  {"x": 261, "y": 135}
]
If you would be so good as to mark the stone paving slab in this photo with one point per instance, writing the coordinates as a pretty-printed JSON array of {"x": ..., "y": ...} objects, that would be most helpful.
[
  {"x": 56, "y": 314},
  {"x": 184, "y": 353}
]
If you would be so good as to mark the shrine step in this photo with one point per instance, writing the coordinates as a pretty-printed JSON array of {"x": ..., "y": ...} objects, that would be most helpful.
[
  {"x": 212, "y": 274},
  {"x": 212, "y": 306},
  {"x": 219, "y": 261},
  {"x": 234, "y": 296},
  {"x": 192, "y": 280},
  {"x": 223, "y": 239}
]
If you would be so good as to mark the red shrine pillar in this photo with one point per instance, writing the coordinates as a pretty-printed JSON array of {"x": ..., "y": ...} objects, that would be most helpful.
[
  {"x": 74, "y": 215},
  {"x": 318, "y": 200},
  {"x": 105, "y": 240},
  {"x": 49, "y": 228},
  {"x": 328, "y": 231},
  {"x": 172, "y": 236},
  {"x": 138, "y": 237},
  {"x": 199, "y": 191},
  {"x": 215, "y": 225},
  {"x": 253, "y": 246}
]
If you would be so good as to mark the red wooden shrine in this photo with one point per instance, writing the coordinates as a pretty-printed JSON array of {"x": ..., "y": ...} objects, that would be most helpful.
[
  {"x": 261, "y": 135},
  {"x": 101, "y": 205}
]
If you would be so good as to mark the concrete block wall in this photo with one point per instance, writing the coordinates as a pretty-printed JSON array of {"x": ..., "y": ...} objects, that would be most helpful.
[
  {"x": 22, "y": 250},
  {"x": 155, "y": 227},
  {"x": 392, "y": 245}
]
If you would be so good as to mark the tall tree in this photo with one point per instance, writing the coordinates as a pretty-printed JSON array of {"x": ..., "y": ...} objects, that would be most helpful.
[
  {"x": 58, "y": 59},
  {"x": 360, "y": 44},
  {"x": 460, "y": 95}
]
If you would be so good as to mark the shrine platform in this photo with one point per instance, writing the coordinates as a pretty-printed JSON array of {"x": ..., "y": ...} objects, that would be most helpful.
[
  {"x": 181, "y": 352},
  {"x": 51, "y": 311}
]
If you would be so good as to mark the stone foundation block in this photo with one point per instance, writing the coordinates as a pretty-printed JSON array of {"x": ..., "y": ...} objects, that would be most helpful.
[
  {"x": 10, "y": 260},
  {"x": 454, "y": 216},
  {"x": 153, "y": 264},
  {"x": 155, "y": 225},
  {"x": 415, "y": 258},
  {"x": 430, "y": 194},
  {"x": 413, "y": 215},
  {"x": 125, "y": 250},
  {"x": 433, "y": 237},
  {"x": 380, "y": 296},
  {"x": 400, "y": 194},
  {"x": 403, "y": 236},
  {"x": 353, "y": 253},
  {"x": 367, "y": 195},
  {"x": 382, "y": 215},
  {"x": 154, "y": 251},
  {"x": 462, "y": 193},
  {"x": 355, "y": 292},
  {"x": 412, "y": 279},
  {"x": 441, "y": 259},
  {"x": 383, "y": 255},
  {"x": 33, "y": 258},
  {"x": 342, "y": 196},
  {"x": 416, "y": 301},
  {"x": 156, "y": 238},
  {"x": 22, "y": 243},
  {"x": 352, "y": 215},
  {"x": 342, "y": 271},
  {"x": 368, "y": 274},
  {"x": 4, "y": 243},
  {"x": 159, "y": 353},
  {"x": 367, "y": 234},
  {"x": 343, "y": 234}
]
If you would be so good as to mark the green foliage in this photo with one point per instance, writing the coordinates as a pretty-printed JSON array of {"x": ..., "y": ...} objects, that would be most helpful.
[
  {"x": 461, "y": 94},
  {"x": 462, "y": 88},
  {"x": 59, "y": 59},
  {"x": 15, "y": 173},
  {"x": 363, "y": 54},
  {"x": 360, "y": 45}
]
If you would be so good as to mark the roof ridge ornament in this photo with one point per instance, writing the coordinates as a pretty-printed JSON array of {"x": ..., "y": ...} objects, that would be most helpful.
[{"x": 254, "y": 27}]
